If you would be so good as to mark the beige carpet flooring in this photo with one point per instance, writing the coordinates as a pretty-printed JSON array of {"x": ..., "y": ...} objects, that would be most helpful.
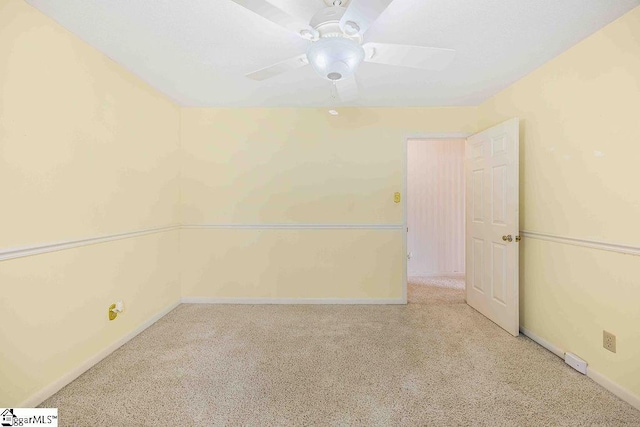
[
  {"x": 435, "y": 290},
  {"x": 430, "y": 363}
]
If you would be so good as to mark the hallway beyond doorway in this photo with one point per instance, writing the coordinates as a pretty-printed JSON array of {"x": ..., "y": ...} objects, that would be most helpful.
[{"x": 435, "y": 290}]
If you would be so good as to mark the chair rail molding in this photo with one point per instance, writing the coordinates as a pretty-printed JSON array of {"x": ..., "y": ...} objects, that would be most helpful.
[
  {"x": 587, "y": 243},
  {"x": 25, "y": 251},
  {"x": 296, "y": 226},
  {"x": 42, "y": 248}
]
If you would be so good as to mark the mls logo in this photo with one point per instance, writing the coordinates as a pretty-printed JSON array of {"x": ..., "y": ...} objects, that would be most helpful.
[
  {"x": 28, "y": 416},
  {"x": 6, "y": 417}
]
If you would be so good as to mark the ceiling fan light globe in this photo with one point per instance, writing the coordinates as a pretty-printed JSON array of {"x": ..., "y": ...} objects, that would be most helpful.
[
  {"x": 338, "y": 71},
  {"x": 335, "y": 58}
]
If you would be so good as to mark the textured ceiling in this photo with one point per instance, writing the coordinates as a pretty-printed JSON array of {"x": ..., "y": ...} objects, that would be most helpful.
[{"x": 197, "y": 51}]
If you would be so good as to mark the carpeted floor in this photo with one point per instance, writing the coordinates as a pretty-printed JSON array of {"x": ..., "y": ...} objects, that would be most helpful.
[
  {"x": 439, "y": 364},
  {"x": 435, "y": 290}
]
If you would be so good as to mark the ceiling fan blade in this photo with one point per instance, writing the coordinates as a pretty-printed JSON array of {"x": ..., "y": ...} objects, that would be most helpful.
[
  {"x": 423, "y": 58},
  {"x": 362, "y": 13},
  {"x": 278, "y": 16},
  {"x": 279, "y": 68},
  {"x": 346, "y": 89}
]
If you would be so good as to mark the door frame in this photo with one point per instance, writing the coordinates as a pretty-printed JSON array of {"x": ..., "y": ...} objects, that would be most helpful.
[{"x": 405, "y": 178}]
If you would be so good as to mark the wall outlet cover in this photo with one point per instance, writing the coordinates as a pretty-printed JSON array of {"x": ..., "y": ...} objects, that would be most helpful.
[{"x": 609, "y": 341}]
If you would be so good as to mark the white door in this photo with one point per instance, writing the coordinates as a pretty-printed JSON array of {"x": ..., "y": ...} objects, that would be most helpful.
[{"x": 492, "y": 223}]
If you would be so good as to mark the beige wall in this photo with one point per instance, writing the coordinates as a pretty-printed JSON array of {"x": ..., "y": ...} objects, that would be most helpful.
[
  {"x": 86, "y": 150},
  {"x": 298, "y": 166},
  {"x": 301, "y": 165},
  {"x": 54, "y": 307},
  {"x": 283, "y": 264},
  {"x": 580, "y": 148}
]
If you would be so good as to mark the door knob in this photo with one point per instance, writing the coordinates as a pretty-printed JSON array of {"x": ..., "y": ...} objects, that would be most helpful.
[{"x": 507, "y": 238}]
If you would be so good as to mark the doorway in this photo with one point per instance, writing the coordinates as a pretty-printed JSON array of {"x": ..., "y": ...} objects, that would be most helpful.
[{"x": 435, "y": 212}]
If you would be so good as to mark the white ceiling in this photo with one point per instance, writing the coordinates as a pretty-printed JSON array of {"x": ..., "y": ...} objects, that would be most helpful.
[{"x": 197, "y": 51}]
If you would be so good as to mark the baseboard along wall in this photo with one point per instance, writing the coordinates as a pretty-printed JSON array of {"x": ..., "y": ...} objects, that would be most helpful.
[
  {"x": 57, "y": 385},
  {"x": 613, "y": 387},
  {"x": 49, "y": 390},
  {"x": 287, "y": 301}
]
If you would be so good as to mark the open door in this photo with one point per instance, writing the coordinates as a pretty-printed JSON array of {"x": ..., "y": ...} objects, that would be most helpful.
[{"x": 492, "y": 224}]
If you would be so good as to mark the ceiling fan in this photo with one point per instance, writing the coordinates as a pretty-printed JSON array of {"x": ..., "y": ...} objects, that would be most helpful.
[{"x": 336, "y": 45}]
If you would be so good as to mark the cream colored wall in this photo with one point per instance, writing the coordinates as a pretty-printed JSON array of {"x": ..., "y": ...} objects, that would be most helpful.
[
  {"x": 305, "y": 264},
  {"x": 301, "y": 165},
  {"x": 86, "y": 150},
  {"x": 580, "y": 148},
  {"x": 54, "y": 306},
  {"x": 298, "y": 166}
]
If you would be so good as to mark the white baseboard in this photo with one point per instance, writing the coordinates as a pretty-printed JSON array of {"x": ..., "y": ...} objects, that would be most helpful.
[
  {"x": 355, "y": 301},
  {"x": 613, "y": 387},
  {"x": 51, "y": 389},
  {"x": 452, "y": 275},
  {"x": 544, "y": 343}
]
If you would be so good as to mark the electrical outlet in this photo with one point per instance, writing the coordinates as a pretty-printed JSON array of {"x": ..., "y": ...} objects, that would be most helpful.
[
  {"x": 609, "y": 341},
  {"x": 115, "y": 309}
]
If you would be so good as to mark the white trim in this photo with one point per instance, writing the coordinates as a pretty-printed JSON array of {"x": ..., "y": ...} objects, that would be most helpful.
[
  {"x": 587, "y": 243},
  {"x": 24, "y": 251},
  {"x": 544, "y": 343},
  {"x": 287, "y": 301},
  {"x": 41, "y": 248},
  {"x": 51, "y": 389},
  {"x": 451, "y": 275},
  {"x": 435, "y": 275},
  {"x": 405, "y": 216},
  {"x": 616, "y": 389},
  {"x": 438, "y": 135},
  {"x": 296, "y": 226}
]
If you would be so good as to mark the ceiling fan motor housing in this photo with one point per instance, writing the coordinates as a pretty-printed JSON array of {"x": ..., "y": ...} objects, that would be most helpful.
[{"x": 327, "y": 22}]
